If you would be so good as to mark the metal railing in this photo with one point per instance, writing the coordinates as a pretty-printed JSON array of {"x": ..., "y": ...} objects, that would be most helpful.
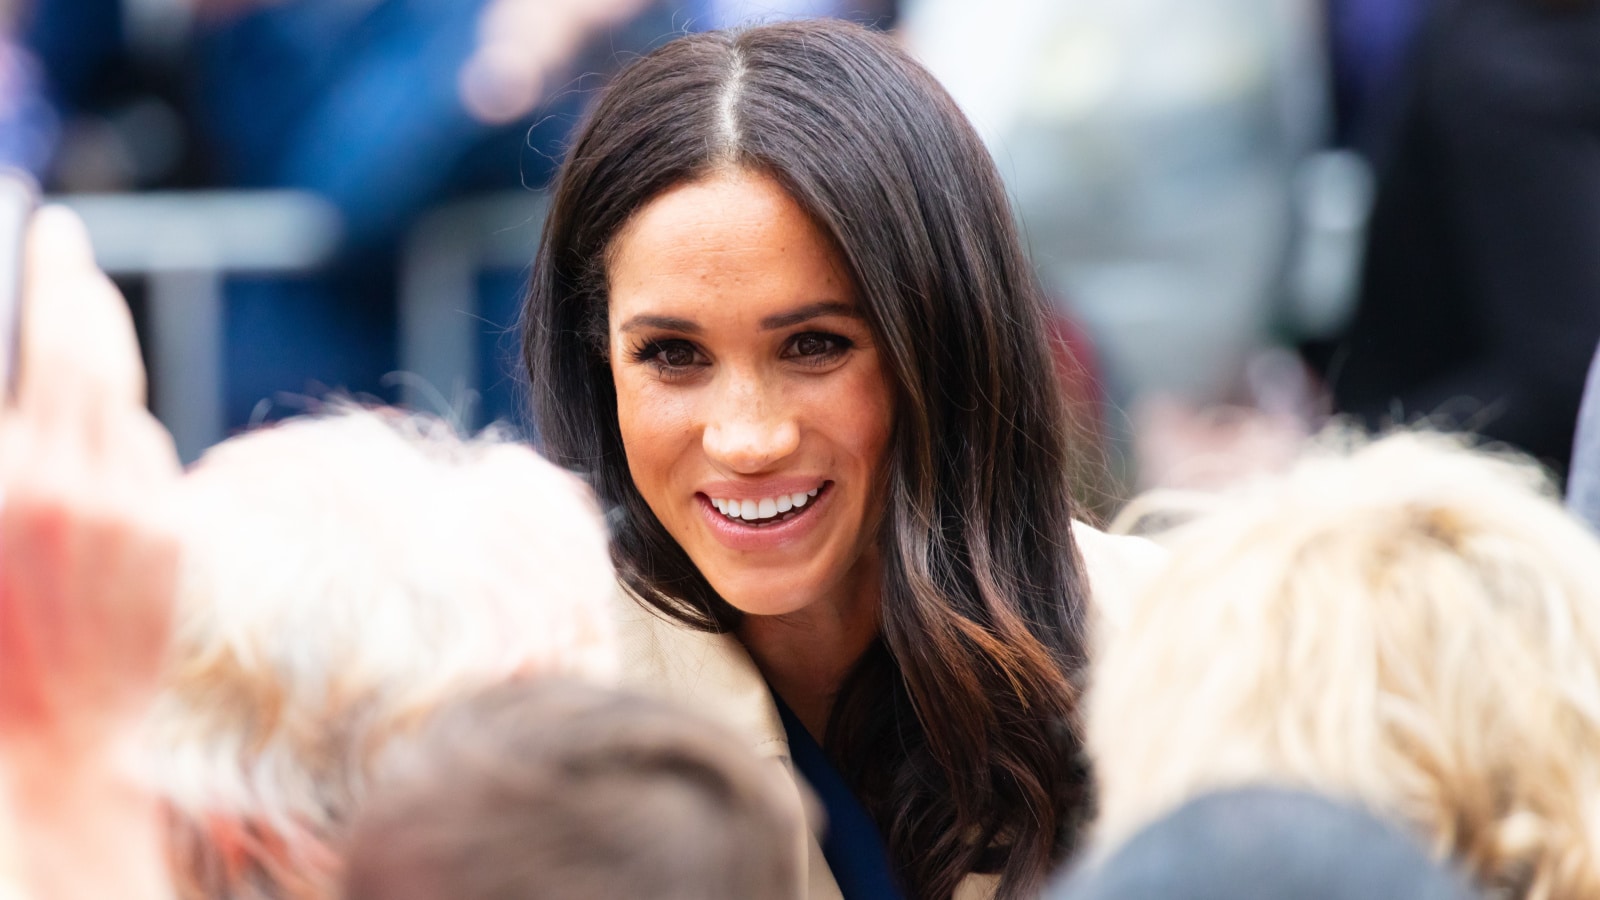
[
  {"x": 443, "y": 256},
  {"x": 183, "y": 246}
]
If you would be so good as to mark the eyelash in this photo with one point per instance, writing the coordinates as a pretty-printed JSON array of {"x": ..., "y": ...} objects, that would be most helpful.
[
  {"x": 837, "y": 346},
  {"x": 649, "y": 352}
]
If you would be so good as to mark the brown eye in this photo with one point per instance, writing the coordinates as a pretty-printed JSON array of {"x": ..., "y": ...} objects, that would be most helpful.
[
  {"x": 677, "y": 356},
  {"x": 811, "y": 345},
  {"x": 816, "y": 348},
  {"x": 670, "y": 358}
]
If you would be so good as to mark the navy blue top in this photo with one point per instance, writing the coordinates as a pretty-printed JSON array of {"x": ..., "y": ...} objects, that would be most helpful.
[{"x": 852, "y": 846}]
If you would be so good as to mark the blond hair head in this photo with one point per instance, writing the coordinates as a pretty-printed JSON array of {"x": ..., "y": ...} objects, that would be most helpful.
[
  {"x": 1408, "y": 623},
  {"x": 344, "y": 576}
]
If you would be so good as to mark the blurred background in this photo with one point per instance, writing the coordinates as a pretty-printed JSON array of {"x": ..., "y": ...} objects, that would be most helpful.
[{"x": 1248, "y": 214}]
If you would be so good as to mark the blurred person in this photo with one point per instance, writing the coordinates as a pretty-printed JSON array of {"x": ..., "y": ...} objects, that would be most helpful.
[
  {"x": 1480, "y": 296},
  {"x": 384, "y": 108},
  {"x": 1265, "y": 844},
  {"x": 1406, "y": 624},
  {"x": 1157, "y": 151},
  {"x": 522, "y": 45},
  {"x": 345, "y": 575},
  {"x": 1182, "y": 446},
  {"x": 713, "y": 14},
  {"x": 322, "y": 70},
  {"x": 29, "y": 126},
  {"x": 1370, "y": 47},
  {"x": 566, "y": 791},
  {"x": 387, "y": 109},
  {"x": 89, "y": 556},
  {"x": 782, "y": 319},
  {"x": 1583, "y": 481}
]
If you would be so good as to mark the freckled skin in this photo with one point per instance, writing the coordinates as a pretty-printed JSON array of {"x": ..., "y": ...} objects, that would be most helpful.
[{"x": 723, "y": 254}]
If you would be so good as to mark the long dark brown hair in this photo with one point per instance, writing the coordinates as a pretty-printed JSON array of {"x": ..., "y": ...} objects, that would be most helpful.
[{"x": 958, "y": 729}]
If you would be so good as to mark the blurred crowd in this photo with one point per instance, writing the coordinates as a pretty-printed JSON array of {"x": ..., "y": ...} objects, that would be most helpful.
[
  {"x": 360, "y": 655},
  {"x": 1251, "y": 213},
  {"x": 385, "y": 110},
  {"x": 1266, "y": 211},
  {"x": 378, "y": 653}
]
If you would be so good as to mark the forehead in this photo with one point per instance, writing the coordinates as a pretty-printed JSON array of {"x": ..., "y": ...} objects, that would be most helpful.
[{"x": 734, "y": 242}]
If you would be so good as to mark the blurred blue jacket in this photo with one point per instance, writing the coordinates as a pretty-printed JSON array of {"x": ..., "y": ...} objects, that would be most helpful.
[{"x": 1583, "y": 481}]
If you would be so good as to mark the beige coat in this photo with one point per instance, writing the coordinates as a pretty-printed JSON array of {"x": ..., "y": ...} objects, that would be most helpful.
[{"x": 713, "y": 674}]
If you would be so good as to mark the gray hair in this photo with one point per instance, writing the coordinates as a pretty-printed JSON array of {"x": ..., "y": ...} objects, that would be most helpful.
[{"x": 344, "y": 575}]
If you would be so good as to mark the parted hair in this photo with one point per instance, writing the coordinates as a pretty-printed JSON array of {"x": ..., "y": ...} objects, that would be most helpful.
[
  {"x": 556, "y": 790},
  {"x": 343, "y": 576},
  {"x": 1408, "y": 623},
  {"x": 958, "y": 730}
]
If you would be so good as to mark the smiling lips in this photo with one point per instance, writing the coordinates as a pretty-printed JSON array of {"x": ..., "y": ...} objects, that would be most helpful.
[{"x": 765, "y": 511}]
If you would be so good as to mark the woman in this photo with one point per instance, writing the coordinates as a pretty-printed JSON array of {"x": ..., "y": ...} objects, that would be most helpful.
[{"x": 782, "y": 318}]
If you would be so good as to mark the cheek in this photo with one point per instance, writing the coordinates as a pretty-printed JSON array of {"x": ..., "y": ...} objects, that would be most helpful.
[
  {"x": 858, "y": 415},
  {"x": 656, "y": 425},
  {"x": 874, "y": 413}
]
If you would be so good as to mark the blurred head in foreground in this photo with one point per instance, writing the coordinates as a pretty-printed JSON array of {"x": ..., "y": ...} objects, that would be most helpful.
[
  {"x": 1267, "y": 844},
  {"x": 563, "y": 791},
  {"x": 1406, "y": 623},
  {"x": 344, "y": 576}
]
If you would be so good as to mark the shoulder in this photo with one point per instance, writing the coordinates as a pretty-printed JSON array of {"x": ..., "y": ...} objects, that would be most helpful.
[
  {"x": 712, "y": 675},
  {"x": 702, "y": 671},
  {"x": 1118, "y": 569}
]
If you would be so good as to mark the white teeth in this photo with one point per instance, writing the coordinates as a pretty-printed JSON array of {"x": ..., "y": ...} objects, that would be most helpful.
[{"x": 764, "y": 509}]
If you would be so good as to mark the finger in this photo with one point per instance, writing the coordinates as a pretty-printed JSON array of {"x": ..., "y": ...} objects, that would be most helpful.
[
  {"x": 143, "y": 456},
  {"x": 107, "y": 346},
  {"x": 58, "y": 239},
  {"x": 79, "y": 353},
  {"x": 57, "y": 256}
]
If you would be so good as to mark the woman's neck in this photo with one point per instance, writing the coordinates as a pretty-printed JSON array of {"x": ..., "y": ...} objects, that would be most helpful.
[{"x": 805, "y": 655}]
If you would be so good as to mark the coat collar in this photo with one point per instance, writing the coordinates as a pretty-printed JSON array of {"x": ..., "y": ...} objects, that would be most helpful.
[{"x": 715, "y": 676}]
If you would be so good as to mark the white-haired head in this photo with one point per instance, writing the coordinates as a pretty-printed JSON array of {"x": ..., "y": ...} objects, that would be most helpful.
[
  {"x": 1407, "y": 623},
  {"x": 344, "y": 575}
]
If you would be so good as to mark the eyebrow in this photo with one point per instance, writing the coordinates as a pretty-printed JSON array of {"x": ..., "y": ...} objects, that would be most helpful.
[
  {"x": 808, "y": 312},
  {"x": 770, "y": 323},
  {"x": 662, "y": 323}
]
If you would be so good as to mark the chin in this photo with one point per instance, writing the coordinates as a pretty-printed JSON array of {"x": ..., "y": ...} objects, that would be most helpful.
[{"x": 756, "y": 596}]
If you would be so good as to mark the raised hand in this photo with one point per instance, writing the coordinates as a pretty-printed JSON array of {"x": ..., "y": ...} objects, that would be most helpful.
[{"x": 88, "y": 564}]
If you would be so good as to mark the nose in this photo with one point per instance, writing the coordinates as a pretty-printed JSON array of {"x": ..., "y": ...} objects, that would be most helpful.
[{"x": 751, "y": 429}]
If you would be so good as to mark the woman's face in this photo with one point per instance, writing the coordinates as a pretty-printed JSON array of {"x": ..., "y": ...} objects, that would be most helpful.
[{"x": 754, "y": 407}]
